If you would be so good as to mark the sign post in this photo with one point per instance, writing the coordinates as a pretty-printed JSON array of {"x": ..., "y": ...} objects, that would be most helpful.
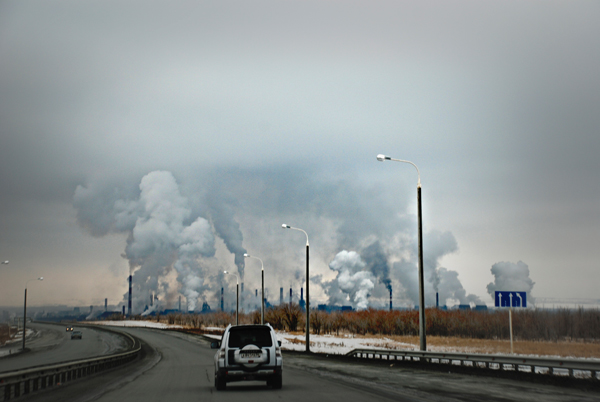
[{"x": 510, "y": 300}]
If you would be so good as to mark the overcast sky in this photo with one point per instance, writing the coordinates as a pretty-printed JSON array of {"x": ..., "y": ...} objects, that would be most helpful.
[{"x": 254, "y": 114}]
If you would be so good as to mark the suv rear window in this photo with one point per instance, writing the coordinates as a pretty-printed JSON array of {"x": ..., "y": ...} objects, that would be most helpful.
[{"x": 242, "y": 336}]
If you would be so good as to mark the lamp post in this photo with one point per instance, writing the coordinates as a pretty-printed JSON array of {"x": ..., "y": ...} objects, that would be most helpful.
[
  {"x": 41, "y": 278},
  {"x": 307, "y": 290},
  {"x": 423, "y": 342},
  {"x": 262, "y": 291},
  {"x": 6, "y": 263},
  {"x": 237, "y": 297}
]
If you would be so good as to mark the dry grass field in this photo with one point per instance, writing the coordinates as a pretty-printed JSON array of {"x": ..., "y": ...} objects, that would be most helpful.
[
  {"x": 486, "y": 346},
  {"x": 495, "y": 346}
]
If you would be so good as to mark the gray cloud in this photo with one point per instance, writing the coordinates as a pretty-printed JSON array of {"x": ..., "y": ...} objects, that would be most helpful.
[{"x": 289, "y": 102}]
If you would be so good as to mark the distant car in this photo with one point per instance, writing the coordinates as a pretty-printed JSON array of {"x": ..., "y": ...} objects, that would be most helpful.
[
  {"x": 76, "y": 335},
  {"x": 248, "y": 353},
  {"x": 69, "y": 329}
]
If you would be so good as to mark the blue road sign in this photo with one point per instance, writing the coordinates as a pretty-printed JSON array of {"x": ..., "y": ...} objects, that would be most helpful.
[{"x": 511, "y": 299}]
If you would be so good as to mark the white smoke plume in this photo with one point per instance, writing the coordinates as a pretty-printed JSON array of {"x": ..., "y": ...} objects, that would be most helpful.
[
  {"x": 222, "y": 210},
  {"x": 353, "y": 282},
  {"x": 449, "y": 287},
  {"x": 171, "y": 236},
  {"x": 512, "y": 277},
  {"x": 162, "y": 234},
  {"x": 377, "y": 262},
  {"x": 435, "y": 246}
]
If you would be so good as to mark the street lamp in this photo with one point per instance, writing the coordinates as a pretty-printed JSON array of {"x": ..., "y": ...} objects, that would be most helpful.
[
  {"x": 41, "y": 278},
  {"x": 423, "y": 342},
  {"x": 262, "y": 291},
  {"x": 6, "y": 263},
  {"x": 237, "y": 297},
  {"x": 307, "y": 291}
]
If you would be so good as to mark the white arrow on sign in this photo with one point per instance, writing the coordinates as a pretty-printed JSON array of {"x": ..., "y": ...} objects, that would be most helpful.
[
  {"x": 510, "y": 295},
  {"x": 499, "y": 299},
  {"x": 519, "y": 296}
]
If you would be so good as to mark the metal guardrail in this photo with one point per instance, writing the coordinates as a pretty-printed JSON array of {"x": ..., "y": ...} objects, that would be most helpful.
[
  {"x": 14, "y": 384},
  {"x": 553, "y": 366}
]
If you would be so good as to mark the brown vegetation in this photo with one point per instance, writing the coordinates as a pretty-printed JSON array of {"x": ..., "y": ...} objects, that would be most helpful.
[
  {"x": 574, "y": 333},
  {"x": 4, "y": 333},
  {"x": 532, "y": 325}
]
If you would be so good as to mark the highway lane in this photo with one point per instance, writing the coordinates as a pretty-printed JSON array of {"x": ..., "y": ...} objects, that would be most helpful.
[
  {"x": 52, "y": 344},
  {"x": 185, "y": 373},
  {"x": 179, "y": 367}
]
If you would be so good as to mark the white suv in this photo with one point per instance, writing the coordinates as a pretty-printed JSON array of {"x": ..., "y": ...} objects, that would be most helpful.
[{"x": 248, "y": 353}]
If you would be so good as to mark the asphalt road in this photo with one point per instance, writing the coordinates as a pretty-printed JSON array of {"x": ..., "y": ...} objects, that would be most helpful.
[
  {"x": 52, "y": 344},
  {"x": 179, "y": 367}
]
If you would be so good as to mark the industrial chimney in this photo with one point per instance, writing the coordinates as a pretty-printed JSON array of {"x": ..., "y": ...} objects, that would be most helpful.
[
  {"x": 105, "y": 305},
  {"x": 280, "y": 296},
  {"x": 437, "y": 300},
  {"x": 221, "y": 298},
  {"x": 391, "y": 307},
  {"x": 290, "y": 297},
  {"x": 302, "y": 303},
  {"x": 179, "y": 302},
  {"x": 129, "y": 302}
]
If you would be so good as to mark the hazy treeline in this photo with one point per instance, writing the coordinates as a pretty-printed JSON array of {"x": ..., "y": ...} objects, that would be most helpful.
[{"x": 528, "y": 324}]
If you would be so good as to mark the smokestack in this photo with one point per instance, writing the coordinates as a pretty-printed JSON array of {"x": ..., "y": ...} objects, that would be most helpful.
[
  {"x": 129, "y": 302},
  {"x": 123, "y": 309},
  {"x": 221, "y": 299},
  {"x": 255, "y": 292},
  {"x": 391, "y": 307},
  {"x": 301, "y": 293},
  {"x": 151, "y": 299},
  {"x": 242, "y": 297},
  {"x": 290, "y": 297},
  {"x": 280, "y": 296},
  {"x": 437, "y": 300},
  {"x": 179, "y": 302},
  {"x": 105, "y": 304}
]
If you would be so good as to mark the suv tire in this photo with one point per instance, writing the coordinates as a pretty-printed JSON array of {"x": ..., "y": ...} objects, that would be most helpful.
[
  {"x": 220, "y": 383},
  {"x": 277, "y": 382}
]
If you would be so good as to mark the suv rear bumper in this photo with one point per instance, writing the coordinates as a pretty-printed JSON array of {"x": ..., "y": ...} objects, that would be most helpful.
[{"x": 239, "y": 374}]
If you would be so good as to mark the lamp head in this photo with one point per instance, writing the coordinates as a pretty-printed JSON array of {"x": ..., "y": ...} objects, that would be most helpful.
[
  {"x": 285, "y": 226},
  {"x": 246, "y": 255},
  {"x": 225, "y": 272},
  {"x": 382, "y": 157},
  {"x": 4, "y": 262},
  {"x": 41, "y": 278}
]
